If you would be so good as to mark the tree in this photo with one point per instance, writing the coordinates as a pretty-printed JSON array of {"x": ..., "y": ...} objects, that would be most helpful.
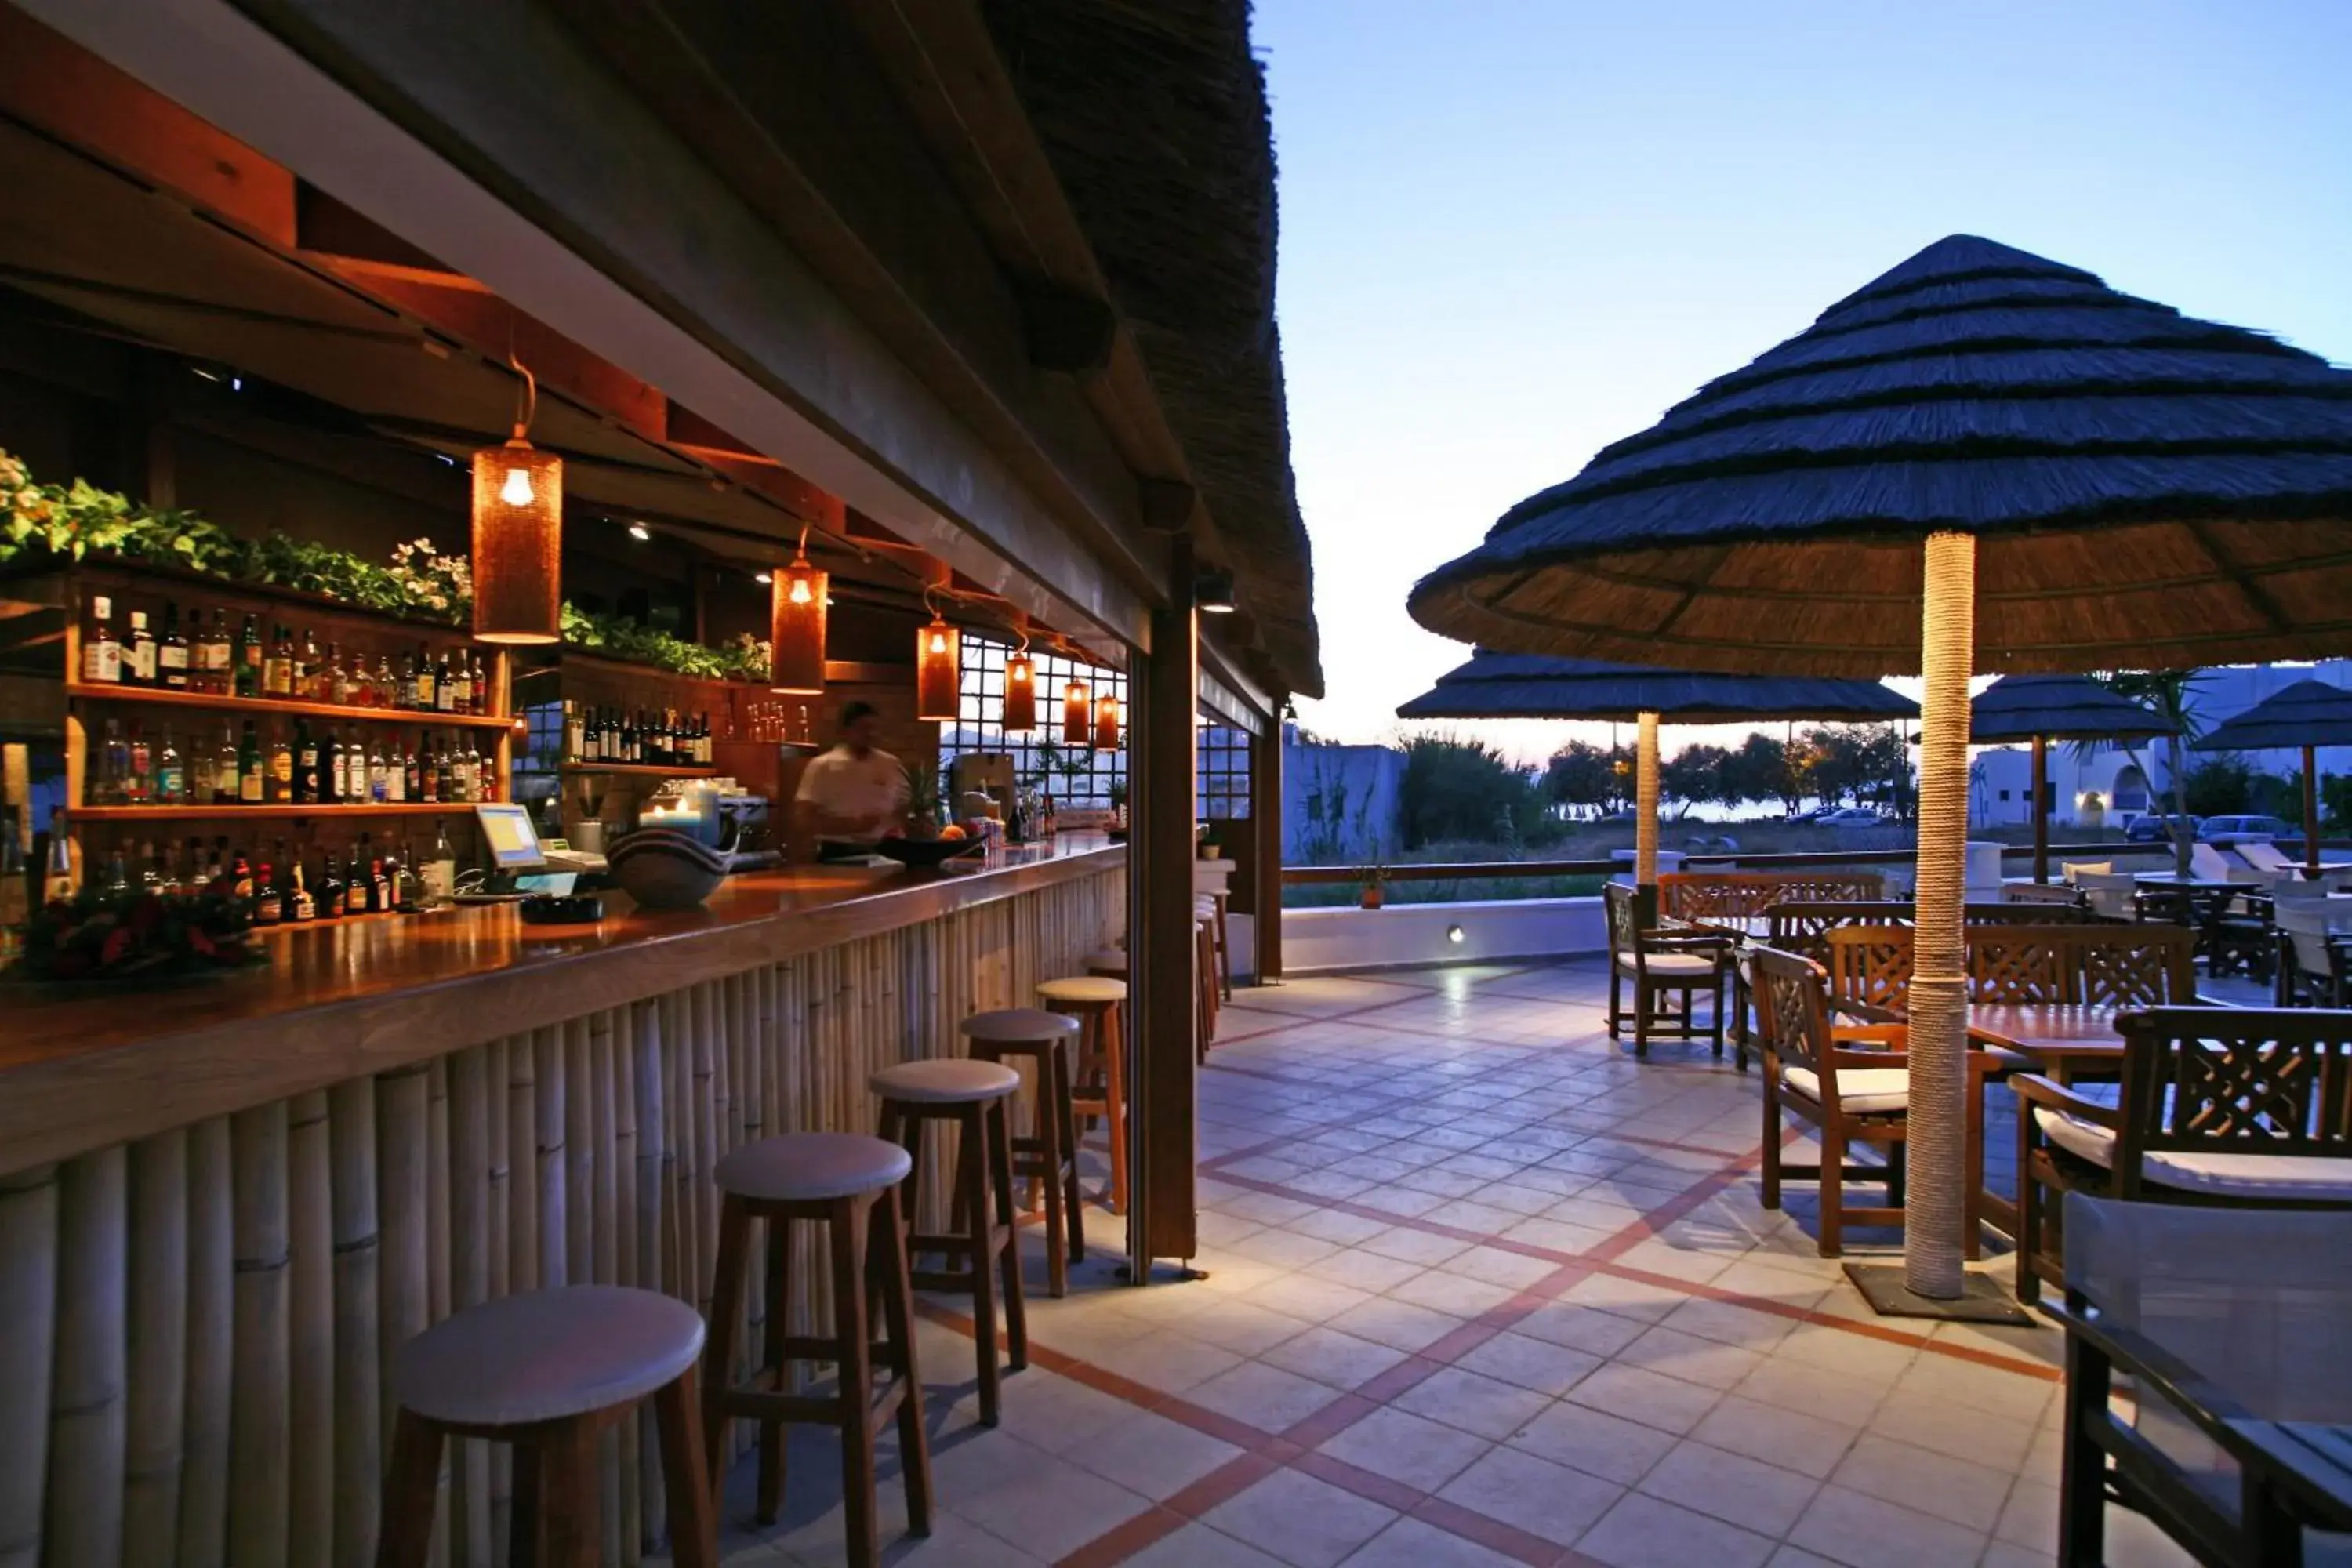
[
  {"x": 1578, "y": 776},
  {"x": 1464, "y": 789},
  {"x": 1692, "y": 774},
  {"x": 2170, "y": 695},
  {"x": 1760, "y": 770},
  {"x": 2220, "y": 786}
]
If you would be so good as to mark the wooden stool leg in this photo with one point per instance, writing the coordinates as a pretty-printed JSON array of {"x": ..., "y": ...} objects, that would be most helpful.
[
  {"x": 719, "y": 1349},
  {"x": 523, "y": 1509},
  {"x": 971, "y": 1178},
  {"x": 1066, "y": 1175},
  {"x": 888, "y": 1248},
  {"x": 693, "y": 1515},
  {"x": 410, "y": 1493},
  {"x": 572, "y": 1511},
  {"x": 853, "y": 1342},
  {"x": 1115, "y": 1092},
  {"x": 1048, "y": 1123},
  {"x": 1000, "y": 1156},
  {"x": 771, "y": 1433}
]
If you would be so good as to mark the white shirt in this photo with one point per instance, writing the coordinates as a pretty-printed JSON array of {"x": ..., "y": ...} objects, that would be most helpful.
[{"x": 841, "y": 783}]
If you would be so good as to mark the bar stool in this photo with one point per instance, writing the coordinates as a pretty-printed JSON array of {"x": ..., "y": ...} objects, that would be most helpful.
[
  {"x": 973, "y": 1096},
  {"x": 839, "y": 1180},
  {"x": 1110, "y": 963},
  {"x": 1097, "y": 1003},
  {"x": 1050, "y": 1152},
  {"x": 546, "y": 1371},
  {"x": 1204, "y": 972}
]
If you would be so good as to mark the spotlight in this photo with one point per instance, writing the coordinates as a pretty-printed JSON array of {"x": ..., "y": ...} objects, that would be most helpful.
[
  {"x": 763, "y": 577},
  {"x": 638, "y": 531},
  {"x": 1454, "y": 934},
  {"x": 1212, "y": 592}
]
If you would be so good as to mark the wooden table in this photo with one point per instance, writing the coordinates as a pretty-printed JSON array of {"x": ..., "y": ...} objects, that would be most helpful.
[{"x": 2061, "y": 1040}]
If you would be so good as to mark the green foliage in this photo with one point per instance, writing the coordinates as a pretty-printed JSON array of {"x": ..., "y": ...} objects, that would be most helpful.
[
  {"x": 1582, "y": 775},
  {"x": 745, "y": 658},
  {"x": 2221, "y": 786},
  {"x": 2335, "y": 800},
  {"x": 1464, "y": 789}
]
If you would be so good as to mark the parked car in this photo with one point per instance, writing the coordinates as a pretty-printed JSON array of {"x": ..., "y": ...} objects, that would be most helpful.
[
  {"x": 2241, "y": 829},
  {"x": 1815, "y": 815},
  {"x": 1851, "y": 816},
  {"x": 2153, "y": 827}
]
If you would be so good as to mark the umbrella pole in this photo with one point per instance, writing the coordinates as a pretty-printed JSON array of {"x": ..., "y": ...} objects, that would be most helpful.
[
  {"x": 1935, "y": 1203},
  {"x": 2040, "y": 809},
  {"x": 2311, "y": 812},
  {"x": 1645, "y": 809}
]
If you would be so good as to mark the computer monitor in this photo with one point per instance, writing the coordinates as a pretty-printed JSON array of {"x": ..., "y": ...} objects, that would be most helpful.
[{"x": 514, "y": 843}]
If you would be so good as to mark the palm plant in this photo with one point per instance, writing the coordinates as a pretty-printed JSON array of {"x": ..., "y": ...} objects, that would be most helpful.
[{"x": 2170, "y": 695}]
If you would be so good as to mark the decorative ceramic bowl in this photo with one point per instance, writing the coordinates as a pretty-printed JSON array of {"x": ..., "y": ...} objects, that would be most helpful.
[
  {"x": 665, "y": 870},
  {"x": 927, "y": 851}
]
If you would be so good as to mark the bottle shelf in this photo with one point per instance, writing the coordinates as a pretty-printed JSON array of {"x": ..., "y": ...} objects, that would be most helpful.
[
  {"x": 640, "y": 770},
  {"x": 263, "y": 813},
  {"x": 100, "y": 691}
]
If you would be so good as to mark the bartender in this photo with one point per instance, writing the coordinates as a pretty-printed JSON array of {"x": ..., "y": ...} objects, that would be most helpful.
[{"x": 855, "y": 795}]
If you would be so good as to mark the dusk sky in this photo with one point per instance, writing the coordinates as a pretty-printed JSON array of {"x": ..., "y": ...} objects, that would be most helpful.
[{"x": 1516, "y": 230}]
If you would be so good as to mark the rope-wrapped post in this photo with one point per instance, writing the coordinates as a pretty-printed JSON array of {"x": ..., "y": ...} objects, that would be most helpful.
[
  {"x": 1936, "y": 1205},
  {"x": 1645, "y": 800}
]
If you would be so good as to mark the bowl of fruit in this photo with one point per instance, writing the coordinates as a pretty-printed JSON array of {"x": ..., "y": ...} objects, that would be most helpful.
[{"x": 951, "y": 842}]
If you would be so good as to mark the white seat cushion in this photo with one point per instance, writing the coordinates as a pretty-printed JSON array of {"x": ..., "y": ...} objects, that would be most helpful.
[
  {"x": 2289, "y": 1176},
  {"x": 1083, "y": 988},
  {"x": 812, "y": 1167},
  {"x": 1699, "y": 964},
  {"x": 948, "y": 1080},
  {"x": 546, "y": 1354},
  {"x": 1865, "y": 1091}
]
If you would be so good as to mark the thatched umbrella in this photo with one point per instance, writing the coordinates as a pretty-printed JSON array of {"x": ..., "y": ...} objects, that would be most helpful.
[
  {"x": 1537, "y": 685},
  {"x": 2309, "y": 714},
  {"x": 2140, "y": 490},
  {"x": 2045, "y": 707}
]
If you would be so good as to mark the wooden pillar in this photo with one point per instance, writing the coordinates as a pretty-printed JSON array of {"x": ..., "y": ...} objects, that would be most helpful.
[
  {"x": 1266, "y": 822},
  {"x": 1164, "y": 690},
  {"x": 2311, "y": 812},
  {"x": 2041, "y": 809}
]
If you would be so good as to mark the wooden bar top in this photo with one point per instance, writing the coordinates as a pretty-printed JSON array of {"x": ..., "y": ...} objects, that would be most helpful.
[{"x": 337, "y": 1001}]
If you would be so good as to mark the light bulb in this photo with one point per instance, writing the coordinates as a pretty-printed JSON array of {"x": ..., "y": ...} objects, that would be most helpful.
[
  {"x": 762, "y": 577},
  {"x": 516, "y": 491},
  {"x": 938, "y": 643},
  {"x": 639, "y": 531},
  {"x": 800, "y": 593}
]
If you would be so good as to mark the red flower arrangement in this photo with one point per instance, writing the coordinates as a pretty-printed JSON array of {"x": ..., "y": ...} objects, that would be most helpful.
[{"x": 98, "y": 936}]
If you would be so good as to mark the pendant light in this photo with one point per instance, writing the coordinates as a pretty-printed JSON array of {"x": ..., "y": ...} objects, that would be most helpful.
[
  {"x": 1077, "y": 714},
  {"x": 1106, "y": 722},
  {"x": 1020, "y": 690},
  {"x": 796, "y": 627},
  {"x": 519, "y": 535},
  {"x": 938, "y": 670}
]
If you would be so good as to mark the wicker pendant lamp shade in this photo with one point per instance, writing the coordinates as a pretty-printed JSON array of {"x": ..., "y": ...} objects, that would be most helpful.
[
  {"x": 1106, "y": 722},
  {"x": 939, "y": 670},
  {"x": 2114, "y": 485},
  {"x": 1019, "y": 693},
  {"x": 1077, "y": 714},
  {"x": 518, "y": 558},
  {"x": 796, "y": 628}
]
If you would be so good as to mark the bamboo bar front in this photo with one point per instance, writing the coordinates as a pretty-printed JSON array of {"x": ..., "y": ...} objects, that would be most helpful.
[{"x": 200, "y": 1323}]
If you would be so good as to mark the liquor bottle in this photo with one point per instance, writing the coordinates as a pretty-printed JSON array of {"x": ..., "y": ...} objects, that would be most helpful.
[
  {"x": 248, "y": 659},
  {"x": 281, "y": 768},
  {"x": 306, "y": 764},
  {"x": 592, "y": 736},
  {"x": 397, "y": 887},
  {"x": 249, "y": 787},
  {"x": 708, "y": 754},
  {"x": 118, "y": 875},
  {"x": 445, "y": 775},
  {"x": 277, "y": 664},
  {"x": 301, "y": 905},
  {"x": 572, "y": 731},
  {"x": 102, "y": 656},
  {"x": 139, "y": 653},
  {"x": 360, "y": 874},
  {"x": 387, "y": 685},
  {"x": 481, "y": 681},
  {"x": 150, "y": 868},
  {"x": 379, "y": 788},
  {"x": 331, "y": 886},
  {"x": 486, "y": 774},
  {"x": 461, "y": 682},
  {"x": 172, "y": 653},
  {"x": 396, "y": 774},
  {"x": 309, "y": 670},
  {"x": 240, "y": 880},
  {"x": 337, "y": 775},
  {"x": 354, "y": 881},
  {"x": 224, "y": 771},
  {"x": 138, "y": 774},
  {"x": 379, "y": 886},
  {"x": 268, "y": 897},
  {"x": 167, "y": 883},
  {"x": 113, "y": 766},
  {"x": 203, "y": 773},
  {"x": 57, "y": 880},
  {"x": 170, "y": 773},
  {"x": 412, "y": 775},
  {"x": 428, "y": 780},
  {"x": 441, "y": 872}
]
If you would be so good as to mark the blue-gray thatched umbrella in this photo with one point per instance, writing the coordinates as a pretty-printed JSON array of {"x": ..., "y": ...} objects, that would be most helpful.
[
  {"x": 2117, "y": 484},
  {"x": 2045, "y": 707},
  {"x": 2309, "y": 714},
  {"x": 1537, "y": 685}
]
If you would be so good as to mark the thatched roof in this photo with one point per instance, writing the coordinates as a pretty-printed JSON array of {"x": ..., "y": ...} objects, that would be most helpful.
[
  {"x": 1532, "y": 686},
  {"x": 1153, "y": 114},
  {"x": 2146, "y": 491},
  {"x": 2308, "y": 713},
  {"x": 2057, "y": 707}
]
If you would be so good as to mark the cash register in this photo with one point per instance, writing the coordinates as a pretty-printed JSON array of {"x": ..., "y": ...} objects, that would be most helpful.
[{"x": 522, "y": 867}]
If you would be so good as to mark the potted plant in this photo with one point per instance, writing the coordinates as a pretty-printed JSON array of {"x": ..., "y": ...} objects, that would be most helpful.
[
  {"x": 118, "y": 939},
  {"x": 922, "y": 801},
  {"x": 1376, "y": 887},
  {"x": 1116, "y": 793}
]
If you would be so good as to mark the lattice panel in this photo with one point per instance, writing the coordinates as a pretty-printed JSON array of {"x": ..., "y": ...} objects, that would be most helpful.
[
  {"x": 2117, "y": 975},
  {"x": 1872, "y": 964},
  {"x": 2240, "y": 1089},
  {"x": 2019, "y": 968},
  {"x": 1623, "y": 929},
  {"x": 1749, "y": 895}
]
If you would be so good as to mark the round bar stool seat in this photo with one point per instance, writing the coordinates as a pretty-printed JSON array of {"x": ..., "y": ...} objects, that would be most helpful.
[
  {"x": 545, "y": 1355},
  {"x": 1100, "y": 1088},
  {"x": 839, "y": 1181},
  {"x": 546, "y": 1370},
  {"x": 812, "y": 1167},
  {"x": 1108, "y": 964},
  {"x": 1047, "y": 1154},
  {"x": 1096, "y": 989},
  {"x": 948, "y": 1080}
]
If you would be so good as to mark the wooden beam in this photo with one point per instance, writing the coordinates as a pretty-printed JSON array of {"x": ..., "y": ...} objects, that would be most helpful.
[
  {"x": 1069, "y": 331},
  {"x": 1266, "y": 823},
  {"x": 1168, "y": 506},
  {"x": 1162, "y": 786}
]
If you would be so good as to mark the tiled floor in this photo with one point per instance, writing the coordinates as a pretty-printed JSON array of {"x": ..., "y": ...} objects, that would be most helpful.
[{"x": 1482, "y": 1289}]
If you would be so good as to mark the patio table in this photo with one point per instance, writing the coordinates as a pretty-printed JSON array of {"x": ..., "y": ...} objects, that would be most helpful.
[{"x": 2237, "y": 1438}]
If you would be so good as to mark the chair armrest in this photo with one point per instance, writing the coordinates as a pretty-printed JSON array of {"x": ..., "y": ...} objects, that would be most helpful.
[
  {"x": 1866, "y": 1012},
  {"x": 1879, "y": 1038},
  {"x": 1839, "y": 1058},
  {"x": 1688, "y": 937},
  {"x": 2032, "y": 1087}
]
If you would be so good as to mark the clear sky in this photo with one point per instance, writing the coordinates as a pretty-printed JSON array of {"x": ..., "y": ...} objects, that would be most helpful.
[{"x": 1516, "y": 230}]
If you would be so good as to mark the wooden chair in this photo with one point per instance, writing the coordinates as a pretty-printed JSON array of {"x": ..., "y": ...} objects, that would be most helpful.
[
  {"x": 1660, "y": 963},
  {"x": 1739, "y": 899},
  {"x": 2236, "y": 1106},
  {"x": 2050, "y": 896},
  {"x": 1852, "y": 1084},
  {"x": 2314, "y": 964},
  {"x": 2079, "y": 963}
]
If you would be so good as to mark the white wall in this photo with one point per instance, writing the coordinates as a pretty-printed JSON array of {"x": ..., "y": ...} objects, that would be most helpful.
[{"x": 1322, "y": 940}]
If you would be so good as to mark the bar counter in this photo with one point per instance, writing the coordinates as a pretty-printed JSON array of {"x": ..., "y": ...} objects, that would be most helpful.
[{"x": 223, "y": 1204}]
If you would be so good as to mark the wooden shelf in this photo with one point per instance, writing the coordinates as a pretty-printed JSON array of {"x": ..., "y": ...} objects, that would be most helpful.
[
  {"x": 205, "y": 701},
  {"x": 260, "y": 812},
  {"x": 205, "y": 589},
  {"x": 639, "y": 770}
]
